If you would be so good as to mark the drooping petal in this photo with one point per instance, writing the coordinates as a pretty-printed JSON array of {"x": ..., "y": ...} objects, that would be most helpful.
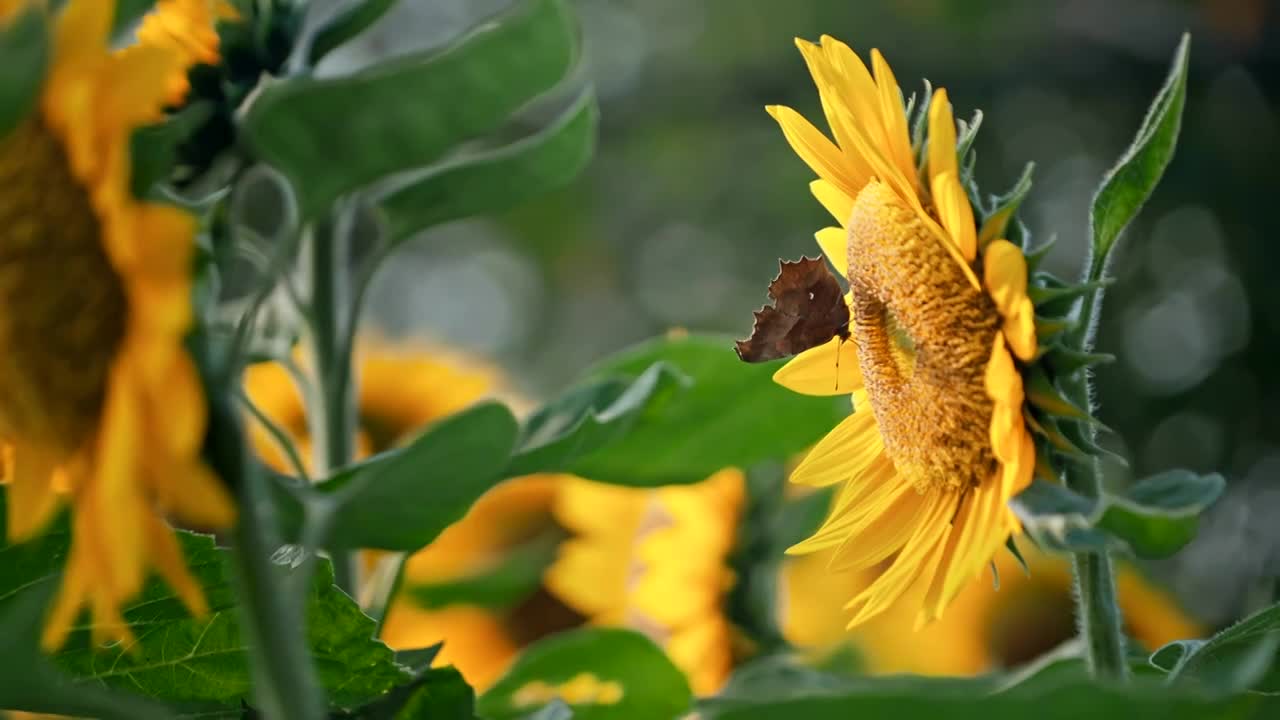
[
  {"x": 829, "y": 369},
  {"x": 843, "y": 453},
  {"x": 819, "y": 153}
]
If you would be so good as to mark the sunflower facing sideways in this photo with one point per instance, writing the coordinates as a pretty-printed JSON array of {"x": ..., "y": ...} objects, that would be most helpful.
[
  {"x": 941, "y": 333},
  {"x": 96, "y": 297}
]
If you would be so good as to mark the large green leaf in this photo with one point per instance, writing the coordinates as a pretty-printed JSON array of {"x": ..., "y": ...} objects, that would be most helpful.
[
  {"x": 494, "y": 181},
  {"x": 334, "y": 135},
  {"x": 1126, "y": 188},
  {"x": 433, "y": 694},
  {"x": 203, "y": 661},
  {"x": 1057, "y": 687},
  {"x": 1155, "y": 518},
  {"x": 1245, "y": 656},
  {"x": 651, "y": 687},
  {"x": 403, "y": 499},
  {"x": 24, "y": 45},
  {"x": 732, "y": 414},
  {"x": 590, "y": 417}
]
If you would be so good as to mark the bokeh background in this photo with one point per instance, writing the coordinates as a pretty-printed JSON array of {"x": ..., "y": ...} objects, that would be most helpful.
[{"x": 694, "y": 195}]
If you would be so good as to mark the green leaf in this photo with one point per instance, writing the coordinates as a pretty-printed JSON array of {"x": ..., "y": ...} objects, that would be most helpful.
[
  {"x": 1155, "y": 518},
  {"x": 180, "y": 659},
  {"x": 651, "y": 686},
  {"x": 346, "y": 25},
  {"x": 1056, "y": 689},
  {"x": 591, "y": 416},
  {"x": 332, "y": 136},
  {"x": 1245, "y": 656},
  {"x": 24, "y": 45},
  {"x": 515, "y": 577},
  {"x": 1132, "y": 180},
  {"x": 402, "y": 499},
  {"x": 497, "y": 180},
  {"x": 733, "y": 415},
  {"x": 433, "y": 694}
]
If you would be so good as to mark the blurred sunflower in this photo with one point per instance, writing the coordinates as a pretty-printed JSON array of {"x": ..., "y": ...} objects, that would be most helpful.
[
  {"x": 96, "y": 287},
  {"x": 655, "y": 561},
  {"x": 937, "y": 444},
  {"x": 983, "y": 630},
  {"x": 187, "y": 28},
  {"x": 402, "y": 389}
]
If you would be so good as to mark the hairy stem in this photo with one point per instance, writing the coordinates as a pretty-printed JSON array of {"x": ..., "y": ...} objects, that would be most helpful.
[
  {"x": 1097, "y": 608},
  {"x": 332, "y": 408}
]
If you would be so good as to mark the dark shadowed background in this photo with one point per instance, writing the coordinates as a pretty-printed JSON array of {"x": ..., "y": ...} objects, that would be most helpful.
[{"x": 694, "y": 195}]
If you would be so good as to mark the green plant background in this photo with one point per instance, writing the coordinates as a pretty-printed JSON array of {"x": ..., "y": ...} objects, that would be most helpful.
[{"x": 693, "y": 195}]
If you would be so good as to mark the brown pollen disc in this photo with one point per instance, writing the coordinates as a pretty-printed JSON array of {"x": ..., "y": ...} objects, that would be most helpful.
[
  {"x": 924, "y": 337},
  {"x": 62, "y": 304}
]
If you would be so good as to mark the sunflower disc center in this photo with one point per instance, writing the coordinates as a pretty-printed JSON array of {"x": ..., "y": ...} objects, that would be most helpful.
[
  {"x": 63, "y": 303},
  {"x": 924, "y": 338}
]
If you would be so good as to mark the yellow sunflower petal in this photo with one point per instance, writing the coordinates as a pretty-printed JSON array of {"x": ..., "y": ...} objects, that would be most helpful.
[
  {"x": 894, "y": 116},
  {"x": 1020, "y": 330},
  {"x": 32, "y": 499},
  {"x": 834, "y": 242},
  {"x": 167, "y": 558},
  {"x": 955, "y": 213},
  {"x": 882, "y": 531},
  {"x": 833, "y": 199},
  {"x": 843, "y": 453},
  {"x": 1005, "y": 275},
  {"x": 819, "y": 153},
  {"x": 1003, "y": 381},
  {"x": 919, "y": 558},
  {"x": 814, "y": 371},
  {"x": 942, "y": 138}
]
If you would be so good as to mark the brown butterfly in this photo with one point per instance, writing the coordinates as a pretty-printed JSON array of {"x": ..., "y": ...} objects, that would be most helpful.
[{"x": 808, "y": 310}]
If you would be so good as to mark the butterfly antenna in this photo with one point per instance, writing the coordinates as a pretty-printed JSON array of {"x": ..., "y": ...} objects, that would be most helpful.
[{"x": 839, "y": 345}]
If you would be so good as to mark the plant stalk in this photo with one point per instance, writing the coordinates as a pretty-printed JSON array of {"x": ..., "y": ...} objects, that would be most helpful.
[
  {"x": 1097, "y": 607},
  {"x": 273, "y": 612},
  {"x": 332, "y": 411}
]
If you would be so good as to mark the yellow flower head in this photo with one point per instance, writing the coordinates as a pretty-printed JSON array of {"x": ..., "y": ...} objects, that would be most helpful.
[
  {"x": 187, "y": 28},
  {"x": 983, "y": 630},
  {"x": 937, "y": 443},
  {"x": 654, "y": 561},
  {"x": 99, "y": 402}
]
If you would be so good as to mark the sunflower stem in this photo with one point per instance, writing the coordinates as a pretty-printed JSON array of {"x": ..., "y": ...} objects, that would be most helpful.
[
  {"x": 285, "y": 681},
  {"x": 332, "y": 412},
  {"x": 1097, "y": 607}
]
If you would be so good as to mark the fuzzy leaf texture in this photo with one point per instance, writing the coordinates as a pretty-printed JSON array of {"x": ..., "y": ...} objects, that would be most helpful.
[
  {"x": 1245, "y": 656},
  {"x": 1155, "y": 517},
  {"x": 201, "y": 664},
  {"x": 1126, "y": 188},
  {"x": 408, "y": 113}
]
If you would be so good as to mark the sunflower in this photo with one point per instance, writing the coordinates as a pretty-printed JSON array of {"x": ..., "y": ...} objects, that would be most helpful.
[
  {"x": 187, "y": 28},
  {"x": 655, "y": 561},
  {"x": 402, "y": 389},
  {"x": 1030, "y": 614},
  {"x": 96, "y": 290},
  {"x": 942, "y": 330}
]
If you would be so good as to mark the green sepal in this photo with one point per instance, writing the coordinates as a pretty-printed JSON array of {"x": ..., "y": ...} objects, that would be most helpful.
[
  {"x": 1004, "y": 207},
  {"x": 24, "y": 45},
  {"x": 1048, "y": 428},
  {"x": 1049, "y": 328},
  {"x": 1063, "y": 361},
  {"x": 1080, "y": 436},
  {"x": 1036, "y": 257},
  {"x": 1011, "y": 545},
  {"x": 1053, "y": 297},
  {"x": 966, "y": 133},
  {"x": 921, "y": 123},
  {"x": 1042, "y": 393}
]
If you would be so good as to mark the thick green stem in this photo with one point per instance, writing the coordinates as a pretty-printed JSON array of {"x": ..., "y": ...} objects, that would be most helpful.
[
  {"x": 1097, "y": 608},
  {"x": 332, "y": 412},
  {"x": 273, "y": 612}
]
